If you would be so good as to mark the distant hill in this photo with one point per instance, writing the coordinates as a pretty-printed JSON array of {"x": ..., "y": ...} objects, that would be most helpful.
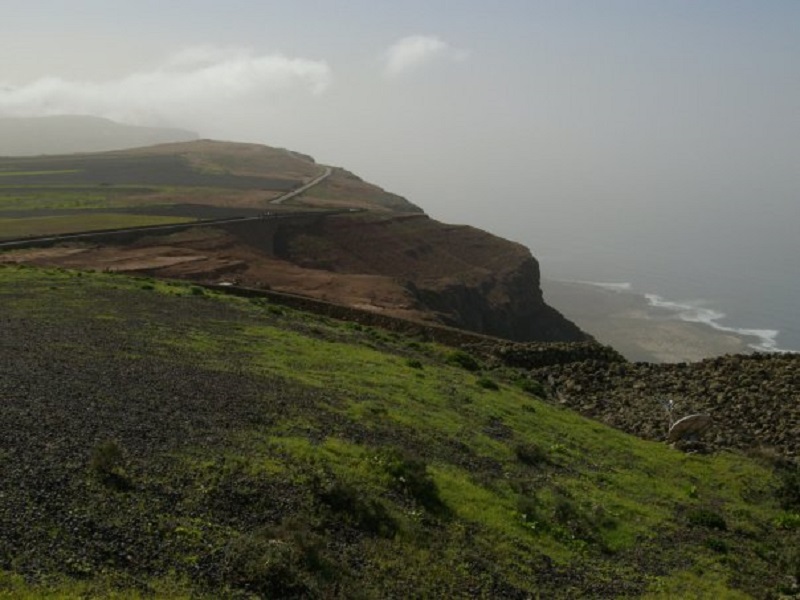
[{"x": 66, "y": 134}]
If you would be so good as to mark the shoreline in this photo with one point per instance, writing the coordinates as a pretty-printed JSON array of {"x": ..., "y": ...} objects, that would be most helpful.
[{"x": 638, "y": 329}]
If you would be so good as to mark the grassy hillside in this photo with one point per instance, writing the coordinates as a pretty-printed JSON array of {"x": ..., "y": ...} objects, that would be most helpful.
[
  {"x": 158, "y": 439},
  {"x": 180, "y": 177}
]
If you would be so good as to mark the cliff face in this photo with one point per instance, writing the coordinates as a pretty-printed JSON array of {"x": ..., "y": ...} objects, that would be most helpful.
[{"x": 458, "y": 275}]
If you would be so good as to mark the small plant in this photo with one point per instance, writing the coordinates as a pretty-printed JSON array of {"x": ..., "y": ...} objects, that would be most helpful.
[
  {"x": 197, "y": 291},
  {"x": 487, "y": 383},
  {"x": 148, "y": 286}
]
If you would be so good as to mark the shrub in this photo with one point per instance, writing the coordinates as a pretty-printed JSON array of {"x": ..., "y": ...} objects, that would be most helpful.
[
  {"x": 705, "y": 517},
  {"x": 718, "y": 545},
  {"x": 789, "y": 486},
  {"x": 284, "y": 562},
  {"x": 414, "y": 363},
  {"x": 365, "y": 513},
  {"x": 107, "y": 462},
  {"x": 487, "y": 384},
  {"x": 463, "y": 360},
  {"x": 531, "y": 454},
  {"x": 532, "y": 387},
  {"x": 410, "y": 476},
  {"x": 528, "y": 508}
]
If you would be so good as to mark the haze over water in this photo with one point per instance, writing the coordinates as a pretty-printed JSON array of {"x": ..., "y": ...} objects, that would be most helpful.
[{"x": 624, "y": 141}]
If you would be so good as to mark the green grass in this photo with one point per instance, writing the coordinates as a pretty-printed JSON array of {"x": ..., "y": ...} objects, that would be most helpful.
[
  {"x": 71, "y": 198},
  {"x": 43, "y": 226},
  {"x": 418, "y": 468}
]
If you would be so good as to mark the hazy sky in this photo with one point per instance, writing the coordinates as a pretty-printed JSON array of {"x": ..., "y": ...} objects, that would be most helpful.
[{"x": 541, "y": 121}]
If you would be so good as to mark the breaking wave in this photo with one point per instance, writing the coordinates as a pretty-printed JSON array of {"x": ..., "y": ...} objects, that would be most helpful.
[{"x": 696, "y": 313}]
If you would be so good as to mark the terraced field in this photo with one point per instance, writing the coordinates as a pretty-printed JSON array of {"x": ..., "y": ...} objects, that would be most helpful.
[{"x": 160, "y": 440}]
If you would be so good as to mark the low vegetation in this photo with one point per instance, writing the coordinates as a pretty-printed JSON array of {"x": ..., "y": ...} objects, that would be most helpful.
[
  {"x": 157, "y": 441},
  {"x": 41, "y": 226}
]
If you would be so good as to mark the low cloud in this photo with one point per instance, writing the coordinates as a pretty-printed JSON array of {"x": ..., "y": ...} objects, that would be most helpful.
[
  {"x": 197, "y": 81},
  {"x": 414, "y": 51}
]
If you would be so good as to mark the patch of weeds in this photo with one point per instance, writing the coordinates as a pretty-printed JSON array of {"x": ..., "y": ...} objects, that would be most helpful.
[
  {"x": 275, "y": 310},
  {"x": 487, "y": 383},
  {"x": 708, "y": 518},
  {"x": 197, "y": 291},
  {"x": 414, "y": 363},
  {"x": 788, "y": 521},
  {"x": 464, "y": 360},
  {"x": 147, "y": 286}
]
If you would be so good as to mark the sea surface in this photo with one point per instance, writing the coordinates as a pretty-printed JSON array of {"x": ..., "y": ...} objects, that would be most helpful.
[{"x": 753, "y": 292}]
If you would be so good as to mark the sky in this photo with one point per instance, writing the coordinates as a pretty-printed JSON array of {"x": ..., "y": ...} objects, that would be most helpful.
[{"x": 561, "y": 124}]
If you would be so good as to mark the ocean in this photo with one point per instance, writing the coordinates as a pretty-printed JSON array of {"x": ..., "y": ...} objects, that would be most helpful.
[{"x": 753, "y": 293}]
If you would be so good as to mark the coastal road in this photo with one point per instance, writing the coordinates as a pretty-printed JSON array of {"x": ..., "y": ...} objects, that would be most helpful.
[{"x": 303, "y": 188}]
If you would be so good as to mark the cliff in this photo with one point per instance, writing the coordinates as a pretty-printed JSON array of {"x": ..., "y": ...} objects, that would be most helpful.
[
  {"x": 379, "y": 252},
  {"x": 461, "y": 276}
]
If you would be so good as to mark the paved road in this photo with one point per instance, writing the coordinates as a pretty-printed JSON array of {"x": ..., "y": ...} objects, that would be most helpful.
[
  {"x": 22, "y": 242},
  {"x": 303, "y": 188}
]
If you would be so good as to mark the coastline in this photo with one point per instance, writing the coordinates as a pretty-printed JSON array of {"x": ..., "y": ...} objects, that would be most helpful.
[{"x": 636, "y": 327}]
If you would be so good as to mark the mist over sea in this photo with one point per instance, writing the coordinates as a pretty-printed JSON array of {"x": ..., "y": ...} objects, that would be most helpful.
[{"x": 748, "y": 286}]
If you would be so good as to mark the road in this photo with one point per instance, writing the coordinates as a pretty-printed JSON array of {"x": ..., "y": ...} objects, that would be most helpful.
[
  {"x": 52, "y": 239},
  {"x": 303, "y": 188}
]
